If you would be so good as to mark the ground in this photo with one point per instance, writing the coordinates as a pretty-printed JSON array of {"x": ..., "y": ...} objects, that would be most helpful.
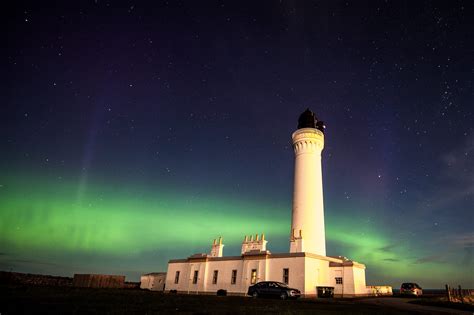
[{"x": 68, "y": 300}]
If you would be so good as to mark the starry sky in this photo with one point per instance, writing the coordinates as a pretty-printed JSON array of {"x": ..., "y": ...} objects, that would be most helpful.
[{"x": 137, "y": 132}]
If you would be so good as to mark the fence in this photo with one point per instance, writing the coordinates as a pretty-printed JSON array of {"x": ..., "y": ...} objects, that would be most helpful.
[
  {"x": 376, "y": 290},
  {"x": 459, "y": 294},
  {"x": 98, "y": 281}
]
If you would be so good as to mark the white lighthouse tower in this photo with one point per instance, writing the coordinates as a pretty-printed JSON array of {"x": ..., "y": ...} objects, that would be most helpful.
[
  {"x": 307, "y": 224},
  {"x": 306, "y": 267}
]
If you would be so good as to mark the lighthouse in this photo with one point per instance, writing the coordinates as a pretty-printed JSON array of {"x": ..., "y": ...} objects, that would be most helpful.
[
  {"x": 307, "y": 224},
  {"x": 306, "y": 267}
]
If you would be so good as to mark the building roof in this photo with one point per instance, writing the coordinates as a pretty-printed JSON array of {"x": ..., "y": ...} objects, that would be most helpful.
[
  {"x": 334, "y": 261},
  {"x": 155, "y": 274},
  {"x": 347, "y": 263}
]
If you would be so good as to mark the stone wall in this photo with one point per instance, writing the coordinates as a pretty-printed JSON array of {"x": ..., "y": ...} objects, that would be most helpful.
[
  {"x": 131, "y": 285},
  {"x": 34, "y": 280},
  {"x": 98, "y": 281},
  {"x": 18, "y": 278}
]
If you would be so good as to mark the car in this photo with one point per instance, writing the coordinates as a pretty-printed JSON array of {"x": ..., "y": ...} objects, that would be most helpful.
[
  {"x": 411, "y": 288},
  {"x": 273, "y": 289}
]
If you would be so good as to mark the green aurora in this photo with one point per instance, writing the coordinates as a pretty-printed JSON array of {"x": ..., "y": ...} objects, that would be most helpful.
[{"x": 49, "y": 224}]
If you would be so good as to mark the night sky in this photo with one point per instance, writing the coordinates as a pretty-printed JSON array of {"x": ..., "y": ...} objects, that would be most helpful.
[{"x": 135, "y": 133}]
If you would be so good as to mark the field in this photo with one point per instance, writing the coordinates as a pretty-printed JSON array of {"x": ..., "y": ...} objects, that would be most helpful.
[{"x": 20, "y": 299}]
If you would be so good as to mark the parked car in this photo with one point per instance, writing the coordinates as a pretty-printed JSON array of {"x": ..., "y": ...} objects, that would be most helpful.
[
  {"x": 273, "y": 289},
  {"x": 411, "y": 289}
]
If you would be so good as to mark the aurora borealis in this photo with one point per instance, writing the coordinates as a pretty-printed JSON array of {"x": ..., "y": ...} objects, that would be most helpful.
[{"x": 135, "y": 133}]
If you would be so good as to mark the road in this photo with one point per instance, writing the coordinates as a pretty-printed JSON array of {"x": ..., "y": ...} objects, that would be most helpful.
[{"x": 403, "y": 305}]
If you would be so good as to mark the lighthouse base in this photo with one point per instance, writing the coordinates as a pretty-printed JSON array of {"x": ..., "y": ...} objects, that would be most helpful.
[{"x": 203, "y": 274}]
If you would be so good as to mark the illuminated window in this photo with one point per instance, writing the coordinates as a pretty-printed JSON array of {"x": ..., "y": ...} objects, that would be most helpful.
[
  {"x": 338, "y": 280},
  {"x": 286, "y": 275},
  {"x": 233, "y": 279},
  {"x": 253, "y": 277},
  {"x": 176, "y": 277},
  {"x": 214, "y": 277},
  {"x": 195, "y": 277}
]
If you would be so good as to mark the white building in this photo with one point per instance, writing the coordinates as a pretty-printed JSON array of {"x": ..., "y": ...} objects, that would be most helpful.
[
  {"x": 305, "y": 266},
  {"x": 154, "y": 281}
]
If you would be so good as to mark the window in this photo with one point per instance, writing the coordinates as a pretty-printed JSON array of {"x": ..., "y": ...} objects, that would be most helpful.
[
  {"x": 176, "y": 277},
  {"x": 195, "y": 277},
  {"x": 233, "y": 279},
  {"x": 214, "y": 277},
  {"x": 286, "y": 275},
  {"x": 338, "y": 280},
  {"x": 253, "y": 277}
]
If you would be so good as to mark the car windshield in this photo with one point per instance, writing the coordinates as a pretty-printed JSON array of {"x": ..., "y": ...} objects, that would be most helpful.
[{"x": 281, "y": 284}]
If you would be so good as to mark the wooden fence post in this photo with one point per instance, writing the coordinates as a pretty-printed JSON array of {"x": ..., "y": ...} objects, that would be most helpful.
[
  {"x": 460, "y": 294},
  {"x": 448, "y": 294}
]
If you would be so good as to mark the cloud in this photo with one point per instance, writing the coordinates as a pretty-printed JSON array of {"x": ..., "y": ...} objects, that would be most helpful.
[
  {"x": 465, "y": 240},
  {"x": 457, "y": 173},
  {"x": 30, "y": 261},
  {"x": 467, "y": 259},
  {"x": 458, "y": 162},
  {"x": 454, "y": 182},
  {"x": 448, "y": 196},
  {"x": 430, "y": 259},
  {"x": 387, "y": 248}
]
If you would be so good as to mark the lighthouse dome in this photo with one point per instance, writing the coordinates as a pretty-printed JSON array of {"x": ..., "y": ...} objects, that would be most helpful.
[{"x": 308, "y": 120}]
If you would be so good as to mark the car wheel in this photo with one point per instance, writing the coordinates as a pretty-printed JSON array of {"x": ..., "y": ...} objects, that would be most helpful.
[
  {"x": 283, "y": 296},
  {"x": 255, "y": 294}
]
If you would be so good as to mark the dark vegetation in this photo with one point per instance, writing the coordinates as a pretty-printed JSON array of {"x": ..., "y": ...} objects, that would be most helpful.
[
  {"x": 26, "y": 294},
  {"x": 18, "y": 278},
  {"x": 21, "y": 299},
  {"x": 11, "y": 278},
  {"x": 443, "y": 303}
]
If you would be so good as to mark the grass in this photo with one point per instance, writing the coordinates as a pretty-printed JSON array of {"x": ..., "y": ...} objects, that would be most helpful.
[
  {"x": 442, "y": 302},
  {"x": 70, "y": 300}
]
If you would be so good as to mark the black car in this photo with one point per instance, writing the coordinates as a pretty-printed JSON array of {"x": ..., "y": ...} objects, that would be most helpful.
[{"x": 273, "y": 289}]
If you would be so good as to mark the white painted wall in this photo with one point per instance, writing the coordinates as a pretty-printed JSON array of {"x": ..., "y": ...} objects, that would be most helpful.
[
  {"x": 154, "y": 282},
  {"x": 316, "y": 275},
  {"x": 305, "y": 273},
  {"x": 360, "y": 286},
  {"x": 296, "y": 271},
  {"x": 267, "y": 270},
  {"x": 308, "y": 207},
  {"x": 224, "y": 269},
  {"x": 353, "y": 278}
]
